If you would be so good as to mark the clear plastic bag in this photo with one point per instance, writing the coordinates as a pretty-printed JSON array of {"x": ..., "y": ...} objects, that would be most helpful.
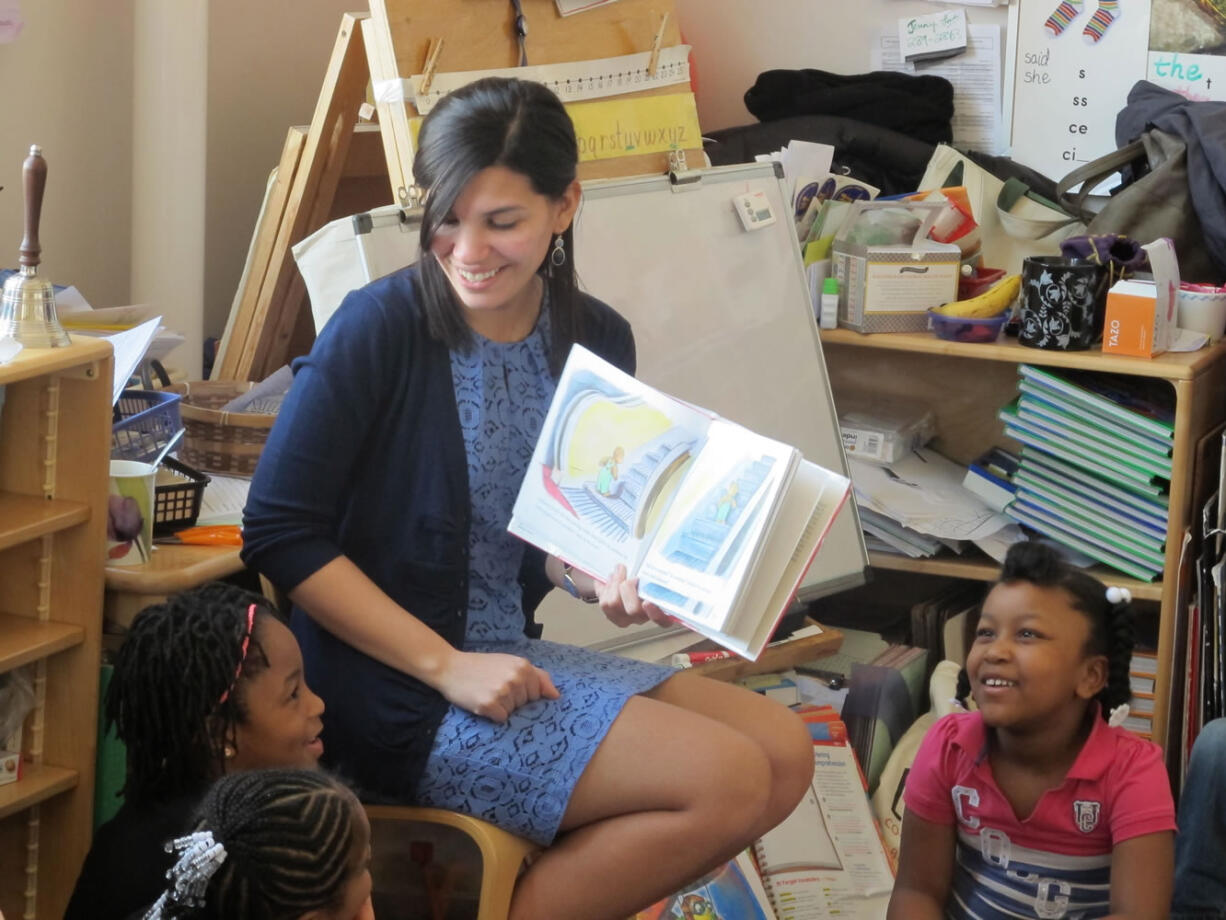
[{"x": 16, "y": 701}]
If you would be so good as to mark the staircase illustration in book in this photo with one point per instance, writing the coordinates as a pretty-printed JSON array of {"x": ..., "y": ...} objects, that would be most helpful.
[
  {"x": 715, "y": 530},
  {"x": 624, "y": 510}
]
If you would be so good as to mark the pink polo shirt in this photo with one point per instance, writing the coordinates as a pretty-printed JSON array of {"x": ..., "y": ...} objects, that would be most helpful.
[{"x": 1057, "y": 862}]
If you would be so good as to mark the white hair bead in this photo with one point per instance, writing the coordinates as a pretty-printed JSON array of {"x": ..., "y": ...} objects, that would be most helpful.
[
  {"x": 1118, "y": 715},
  {"x": 1118, "y": 595}
]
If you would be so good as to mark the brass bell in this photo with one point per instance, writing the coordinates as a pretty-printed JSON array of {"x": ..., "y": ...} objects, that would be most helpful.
[{"x": 27, "y": 310}]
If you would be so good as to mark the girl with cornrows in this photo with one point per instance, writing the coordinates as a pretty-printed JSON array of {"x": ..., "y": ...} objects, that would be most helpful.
[
  {"x": 208, "y": 683},
  {"x": 1038, "y": 804},
  {"x": 272, "y": 845}
]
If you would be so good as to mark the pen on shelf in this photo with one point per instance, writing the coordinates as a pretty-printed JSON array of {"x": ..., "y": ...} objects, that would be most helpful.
[{"x": 689, "y": 659}]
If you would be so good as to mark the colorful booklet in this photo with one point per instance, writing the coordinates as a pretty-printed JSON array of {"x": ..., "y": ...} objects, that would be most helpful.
[{"x": 719, "y": 524}]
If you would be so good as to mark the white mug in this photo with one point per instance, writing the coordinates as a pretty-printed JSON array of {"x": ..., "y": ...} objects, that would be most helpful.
[
  {"x": 129, "y": 513},
  {"x": 1202, "y": 311}
]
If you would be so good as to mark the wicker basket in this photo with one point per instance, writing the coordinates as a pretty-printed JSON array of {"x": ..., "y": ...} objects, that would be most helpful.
[{"x": 216, "y": 441}]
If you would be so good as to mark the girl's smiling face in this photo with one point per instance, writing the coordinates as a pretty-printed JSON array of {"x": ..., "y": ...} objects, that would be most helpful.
[
  {"x": 280, "y": 722},
  {"x": 1029, "y": 659},
  {"x": 492, "y": 243}
]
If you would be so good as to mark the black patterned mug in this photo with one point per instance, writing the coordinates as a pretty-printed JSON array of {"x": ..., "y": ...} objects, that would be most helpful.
[{"x": 1063, "y": 302}]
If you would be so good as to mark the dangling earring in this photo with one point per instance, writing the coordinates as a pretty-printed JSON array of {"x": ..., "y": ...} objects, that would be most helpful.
[
  {"x": 557, "y": 257},
  {"x": 229, "y": 752}
]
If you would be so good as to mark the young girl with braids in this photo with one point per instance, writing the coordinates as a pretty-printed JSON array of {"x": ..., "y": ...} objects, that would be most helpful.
[
  {"x": 272, "y": 845},
  {"x": 1038, "y": 804},
  {"x": 206, "y": 684}
]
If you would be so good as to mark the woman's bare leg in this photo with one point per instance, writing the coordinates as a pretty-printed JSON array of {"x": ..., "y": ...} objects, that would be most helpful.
[{"x": 687, "y": 777}]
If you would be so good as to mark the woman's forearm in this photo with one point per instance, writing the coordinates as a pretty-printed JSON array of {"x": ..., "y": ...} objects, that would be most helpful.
[{"x": 349, "y": 605}]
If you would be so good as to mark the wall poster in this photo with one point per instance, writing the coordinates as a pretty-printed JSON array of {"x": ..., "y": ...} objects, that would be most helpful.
[{"x": 1071, "y": 63}]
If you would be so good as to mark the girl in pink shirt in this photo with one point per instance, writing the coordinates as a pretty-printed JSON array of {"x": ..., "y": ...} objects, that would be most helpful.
[{"x": 1035, "y": 805}]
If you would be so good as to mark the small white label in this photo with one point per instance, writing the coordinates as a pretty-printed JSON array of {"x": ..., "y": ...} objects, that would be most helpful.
[{"x": 754, "y": 210}]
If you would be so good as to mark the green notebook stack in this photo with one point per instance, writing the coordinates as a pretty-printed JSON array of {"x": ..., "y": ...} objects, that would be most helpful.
[{"x": 1096, "y": 466}]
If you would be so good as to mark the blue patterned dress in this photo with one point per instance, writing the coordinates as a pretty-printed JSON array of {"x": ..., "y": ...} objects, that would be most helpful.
[{"x": 518, "y": 775}]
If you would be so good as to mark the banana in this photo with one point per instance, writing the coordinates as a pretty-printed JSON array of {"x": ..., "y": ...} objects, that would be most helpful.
[{"x": 992, "y": 302}]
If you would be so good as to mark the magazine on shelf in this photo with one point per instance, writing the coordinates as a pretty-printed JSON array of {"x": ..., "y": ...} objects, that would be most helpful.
[{"x": 719, "y": 524}]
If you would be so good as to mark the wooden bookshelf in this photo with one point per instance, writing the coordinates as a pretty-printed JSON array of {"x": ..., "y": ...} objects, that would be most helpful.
[
  {"x": 965, "y": 384},
  {"x": 55, "y": 426},
  {"x": 38, "y": 783},
  {"x": 24, "y": 639},
  {"x": 28, "y": 517}
]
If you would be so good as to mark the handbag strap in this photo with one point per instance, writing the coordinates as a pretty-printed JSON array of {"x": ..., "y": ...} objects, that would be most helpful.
[
  {"x": 1028, "y": 227},
  {"x": 1089, "y": 175}
]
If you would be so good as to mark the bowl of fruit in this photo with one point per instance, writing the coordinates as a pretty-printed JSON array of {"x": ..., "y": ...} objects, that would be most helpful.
[{"x": 977, "y": 319}]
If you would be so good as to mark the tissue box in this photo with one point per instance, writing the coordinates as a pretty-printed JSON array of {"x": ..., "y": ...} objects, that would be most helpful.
[
  {"x": 10, "y": 767},
  {"x": 1138, "y": 321},
  {"x": 890, "y": 288}
]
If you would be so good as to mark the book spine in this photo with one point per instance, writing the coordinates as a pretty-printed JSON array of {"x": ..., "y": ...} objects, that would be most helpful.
[{"x": 1094, "y": 401}]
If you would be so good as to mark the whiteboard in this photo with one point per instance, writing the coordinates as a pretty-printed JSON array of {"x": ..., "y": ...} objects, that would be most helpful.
[{"x": 722, "y": 319}]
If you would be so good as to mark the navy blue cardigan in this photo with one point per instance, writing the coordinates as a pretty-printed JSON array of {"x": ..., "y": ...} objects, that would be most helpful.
[{"x": 366, "y": 459}]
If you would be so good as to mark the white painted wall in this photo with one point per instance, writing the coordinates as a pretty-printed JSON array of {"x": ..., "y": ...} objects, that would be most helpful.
[
  {"x": 735, "y": 40},
  {"x": 66, "y": 84},
  {"x": 160, "y": 120}
]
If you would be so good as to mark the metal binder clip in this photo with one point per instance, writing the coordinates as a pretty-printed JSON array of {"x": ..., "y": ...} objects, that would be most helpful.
[
  {"x": 679, "y": 175},
  {"x": 412, "y": 208}
]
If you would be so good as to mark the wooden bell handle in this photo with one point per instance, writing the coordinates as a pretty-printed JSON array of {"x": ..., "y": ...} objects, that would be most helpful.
[{"x": 34, "y": 177}]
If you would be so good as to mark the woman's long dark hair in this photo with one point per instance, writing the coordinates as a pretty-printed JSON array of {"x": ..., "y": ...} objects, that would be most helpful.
[{"x": 523, "y": 127}]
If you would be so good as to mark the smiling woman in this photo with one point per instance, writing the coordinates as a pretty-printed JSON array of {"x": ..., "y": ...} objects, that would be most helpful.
[{"x": 206, "y": 684}]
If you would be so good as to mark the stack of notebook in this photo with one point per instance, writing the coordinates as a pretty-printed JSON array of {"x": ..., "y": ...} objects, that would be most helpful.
[{"x": 1096, "y": 466}]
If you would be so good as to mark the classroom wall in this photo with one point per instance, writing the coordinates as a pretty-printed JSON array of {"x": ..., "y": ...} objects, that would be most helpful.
[
  {"x": 735, "y": 40},
  {"x": 66, "y": 84},
  {"x": 160, "y": 122}
]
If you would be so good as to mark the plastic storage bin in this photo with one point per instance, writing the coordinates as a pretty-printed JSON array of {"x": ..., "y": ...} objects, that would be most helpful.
[
  {"x": 177, "y": 495},
  {"x": 144, "y": 422}
]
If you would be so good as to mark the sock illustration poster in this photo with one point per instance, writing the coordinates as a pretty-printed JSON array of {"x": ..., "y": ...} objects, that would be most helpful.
[{"x": 1071, "y": 64}]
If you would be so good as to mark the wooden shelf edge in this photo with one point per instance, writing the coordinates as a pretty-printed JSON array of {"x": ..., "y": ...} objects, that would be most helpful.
[
  {"x": 28, "y": 517},
  {"x": 1169, "y": 366},
  {"x": 38, "y": 783},
  {"x": 24, "y": 639},
  {"x": 987, "y": 570},
  {"x": 38, "y": 362}
]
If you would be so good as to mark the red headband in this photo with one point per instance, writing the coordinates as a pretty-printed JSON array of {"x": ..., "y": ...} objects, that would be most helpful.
[{"x": 242, "y": 655}]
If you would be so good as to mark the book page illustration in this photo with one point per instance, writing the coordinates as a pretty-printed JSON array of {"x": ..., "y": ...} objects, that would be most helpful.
[
  {"x": 706, "y": 543},
  {"x": 607, "y": 464}
]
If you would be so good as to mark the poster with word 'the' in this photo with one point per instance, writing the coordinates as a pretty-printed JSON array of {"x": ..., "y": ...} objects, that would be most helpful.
[{"x": 1071, "y": 64}]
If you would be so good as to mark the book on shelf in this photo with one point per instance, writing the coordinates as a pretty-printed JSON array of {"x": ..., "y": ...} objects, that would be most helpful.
[
  {"x": 1143, "y": 502},
  {"x": 1084, "y": 431},
  {"x": 1143, "y": 671},
  {"x": 1046, "y": 400},
  {"x": 1139, "y": 473},
  {"x": 991, "y": 477},
  {"x": 1143, "y": 568},
  {"x": 1125, "y": 400},
  {"x": 1101, "y": 528},
  {"x": 826, "y": 858},
  {"x": 1146, "y": 526},
  {"x": 718, "y": 523},
  {"x": 1142, "y": 704}
]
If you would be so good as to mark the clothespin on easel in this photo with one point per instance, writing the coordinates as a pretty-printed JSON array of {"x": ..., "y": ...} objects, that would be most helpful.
[
  {"x": 655, "y": 47},
  {"x": 427, "y": 73}
]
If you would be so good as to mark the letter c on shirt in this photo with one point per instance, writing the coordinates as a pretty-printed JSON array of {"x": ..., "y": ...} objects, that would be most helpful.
[{"x": 971, "y": 797}]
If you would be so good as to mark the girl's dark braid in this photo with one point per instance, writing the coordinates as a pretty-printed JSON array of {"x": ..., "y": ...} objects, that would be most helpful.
[
  {"x": 1121, "y": 639},
  {"x": 289, "y": 837},
  {"x": 175, "y": 664}
]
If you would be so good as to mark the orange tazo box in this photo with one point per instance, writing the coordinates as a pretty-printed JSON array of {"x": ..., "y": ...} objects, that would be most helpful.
[{"x": 1138, "y": 322}]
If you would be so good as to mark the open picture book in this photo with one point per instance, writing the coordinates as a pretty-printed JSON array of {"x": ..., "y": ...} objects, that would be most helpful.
[{"x": 719, "y": 524}]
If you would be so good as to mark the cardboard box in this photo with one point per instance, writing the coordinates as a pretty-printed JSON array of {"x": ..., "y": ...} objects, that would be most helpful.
[
  {"x": 1140, "y": 315},
  {"x": 889, "y": 288},
  {"x": 1136, "y": 323},
  {"x": 10, "y": 767}
]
